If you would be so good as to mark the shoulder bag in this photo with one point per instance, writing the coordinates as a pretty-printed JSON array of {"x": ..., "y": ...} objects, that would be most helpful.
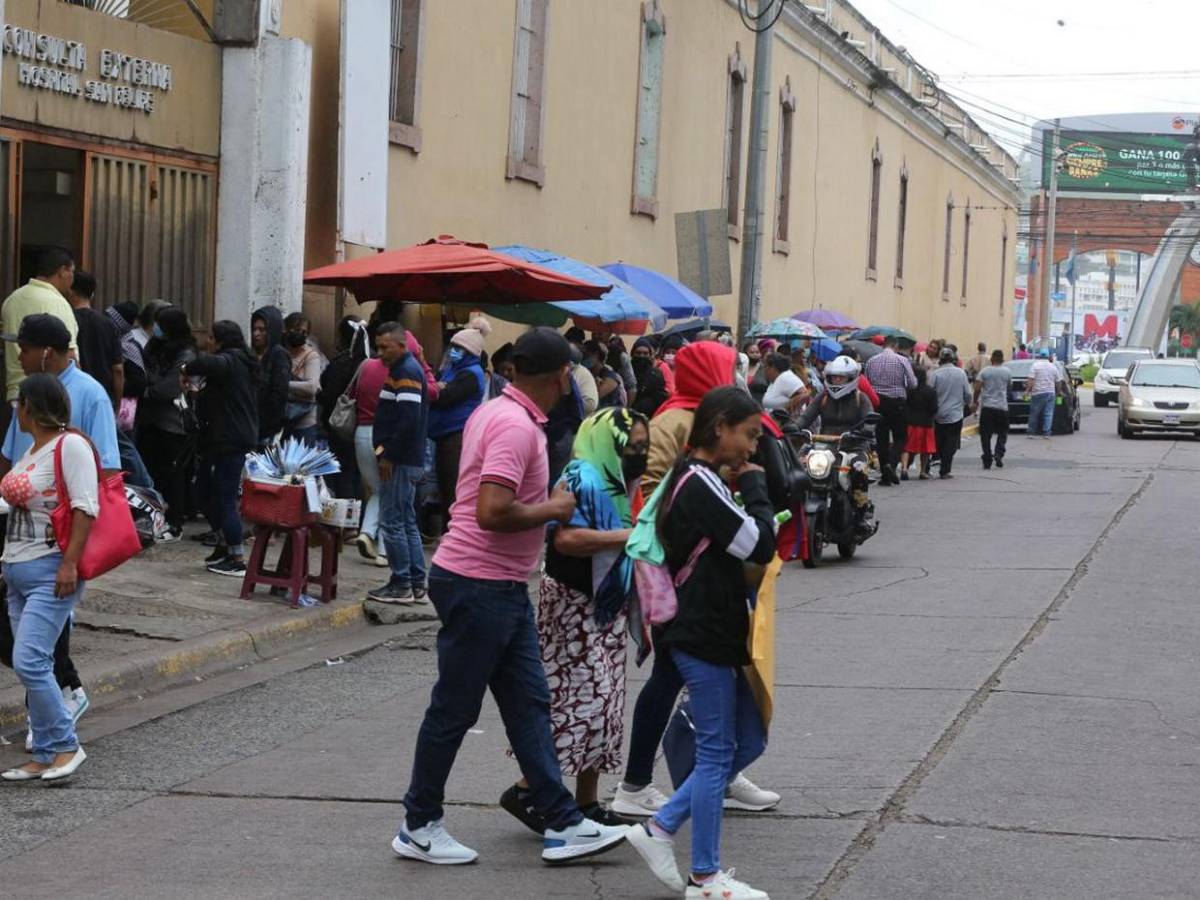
[
  {"x": 113, "y": 538},
  {"x": 343, "y": 420}
]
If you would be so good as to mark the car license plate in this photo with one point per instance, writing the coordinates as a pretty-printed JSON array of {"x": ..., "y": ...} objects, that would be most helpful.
[{"x": 1171, "y": 419}]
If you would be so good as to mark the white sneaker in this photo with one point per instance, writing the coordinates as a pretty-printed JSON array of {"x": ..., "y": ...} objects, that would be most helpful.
[
  {"x": 744, "y": 794},
  {"x": 724, "y": 887},
  {"x": 588, "y": 838},
  {"x": 645, "y": 802},
  {"x": 659, "y": 854},
  {"x": 77, "y": 702},
  {"x": 432, "y": 844}
]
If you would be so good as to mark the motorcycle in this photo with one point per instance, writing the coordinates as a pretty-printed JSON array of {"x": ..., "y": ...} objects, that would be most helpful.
[{"x": 837, "y": 468}]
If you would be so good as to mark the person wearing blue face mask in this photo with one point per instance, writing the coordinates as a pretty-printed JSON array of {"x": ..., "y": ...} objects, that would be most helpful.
[{"x": 462, "y": 385}]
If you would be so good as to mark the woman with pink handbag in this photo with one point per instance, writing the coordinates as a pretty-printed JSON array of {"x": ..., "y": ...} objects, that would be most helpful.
[{"x": 43, "y": 579}]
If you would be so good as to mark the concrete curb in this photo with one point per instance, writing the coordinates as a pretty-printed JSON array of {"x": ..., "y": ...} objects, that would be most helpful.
[
  {"x": 150, "y": 671},
  {"x": 970, "y": 430}
]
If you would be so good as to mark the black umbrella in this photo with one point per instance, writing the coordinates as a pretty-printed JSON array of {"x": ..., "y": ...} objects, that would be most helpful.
[{"x": 864, "y": 349}]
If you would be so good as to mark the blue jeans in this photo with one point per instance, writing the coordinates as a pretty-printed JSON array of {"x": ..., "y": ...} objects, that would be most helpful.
[
  {"x": 488, "y": 639},
  {"x": 1041, "y": 413},
  {"x": 398, "y": 527},
  {"x": 131, "y": 462},
  {"x": 729, "y": 736},
  {"x": 220, "y": 477},
  {"x": 38, "y": 618},
  {"x": 368, "y": 470}
]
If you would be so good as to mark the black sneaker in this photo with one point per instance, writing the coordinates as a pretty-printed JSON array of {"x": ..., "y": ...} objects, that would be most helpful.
[
  {"x": 391, "y": 593},
  {"x": 419, "y": 592},
  {"x": 602, "y": 816},
  {"x": 218, "y": 554},
  {"x": 999, "y": 463},
  {"x": 516, "y": 802},
  {"x": 208, "y": 538},
  {"x": 229, "y": 566}
]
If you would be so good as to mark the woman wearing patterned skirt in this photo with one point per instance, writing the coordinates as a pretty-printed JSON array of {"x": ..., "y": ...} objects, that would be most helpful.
[{"x": 581, "y": 609}]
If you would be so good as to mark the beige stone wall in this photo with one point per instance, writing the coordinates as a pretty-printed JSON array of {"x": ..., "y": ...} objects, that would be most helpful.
[
  {"x": 456, "y": 183},
  {"x": 186, "y": 118}
]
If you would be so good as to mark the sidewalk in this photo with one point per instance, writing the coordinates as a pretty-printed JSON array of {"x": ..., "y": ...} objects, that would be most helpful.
[{"x": 162, "y": 619}]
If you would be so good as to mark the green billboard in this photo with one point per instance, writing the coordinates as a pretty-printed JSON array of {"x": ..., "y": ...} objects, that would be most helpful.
[{"x": 1118, "y": 161}]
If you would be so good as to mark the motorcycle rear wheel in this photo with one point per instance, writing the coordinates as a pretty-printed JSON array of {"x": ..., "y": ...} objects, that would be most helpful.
[{"x": 846, "y": 549}]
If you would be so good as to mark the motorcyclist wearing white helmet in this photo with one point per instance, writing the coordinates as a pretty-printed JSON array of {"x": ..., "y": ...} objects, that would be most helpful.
[{"x": 841, "y": 405}]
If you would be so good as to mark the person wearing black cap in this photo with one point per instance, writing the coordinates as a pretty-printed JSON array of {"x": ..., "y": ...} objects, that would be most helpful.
[
  {"x": 478, "y": 584},
  {"x": 45, "y": 346}
]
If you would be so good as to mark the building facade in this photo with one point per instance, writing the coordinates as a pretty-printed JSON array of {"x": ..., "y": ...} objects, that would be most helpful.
[
  {"x": 587, "y": 128},
  {"x": 210, "y": 153}
]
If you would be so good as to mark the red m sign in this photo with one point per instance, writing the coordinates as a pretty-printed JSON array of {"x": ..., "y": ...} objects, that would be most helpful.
[{"x": 1092, "y": 328}]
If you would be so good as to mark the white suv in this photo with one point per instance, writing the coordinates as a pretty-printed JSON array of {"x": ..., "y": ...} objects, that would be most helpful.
[{"x": 1107, "y": 384}]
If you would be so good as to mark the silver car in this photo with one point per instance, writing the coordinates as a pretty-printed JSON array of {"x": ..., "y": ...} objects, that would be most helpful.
[
  {"x": 1160, "y": 395},
  {"x": 1116, "y": 362}
]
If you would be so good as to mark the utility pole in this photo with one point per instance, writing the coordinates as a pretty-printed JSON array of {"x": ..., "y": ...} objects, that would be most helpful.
[
  {"x": 1074, "y": 282},
  {"x": 1048, "y": 243},
  {"x": 750, "y": 282}
]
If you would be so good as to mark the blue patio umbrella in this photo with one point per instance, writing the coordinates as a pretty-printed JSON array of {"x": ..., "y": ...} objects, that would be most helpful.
[
  {"x": 621, "y": 303},
  {"x": 677, "y": 300}
]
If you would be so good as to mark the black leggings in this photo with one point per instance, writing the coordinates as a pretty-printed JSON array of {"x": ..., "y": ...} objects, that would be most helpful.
[{"x": 651, "y": 715}]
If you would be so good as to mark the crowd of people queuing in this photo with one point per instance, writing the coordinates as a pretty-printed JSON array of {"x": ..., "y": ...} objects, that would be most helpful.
[{"x": 540, "y": 458}]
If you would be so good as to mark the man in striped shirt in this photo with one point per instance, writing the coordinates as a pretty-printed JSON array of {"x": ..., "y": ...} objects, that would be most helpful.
[{"x": 892, "y": 377}]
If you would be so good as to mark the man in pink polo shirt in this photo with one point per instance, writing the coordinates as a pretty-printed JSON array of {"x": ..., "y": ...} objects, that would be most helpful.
[{"x": 478, "y": 584}]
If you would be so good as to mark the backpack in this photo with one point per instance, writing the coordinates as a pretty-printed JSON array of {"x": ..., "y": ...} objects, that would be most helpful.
[{"x": 652, "y": 578}]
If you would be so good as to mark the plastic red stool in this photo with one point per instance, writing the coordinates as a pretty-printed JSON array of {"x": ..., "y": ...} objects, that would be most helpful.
[{"x": 292, "y": 571}]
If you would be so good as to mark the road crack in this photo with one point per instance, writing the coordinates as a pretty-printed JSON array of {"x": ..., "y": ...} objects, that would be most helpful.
[{"x": 893, "y": 808}]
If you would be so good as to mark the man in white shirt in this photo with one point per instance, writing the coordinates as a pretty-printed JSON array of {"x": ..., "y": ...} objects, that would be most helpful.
[
  {"x": 1044, "y": 384},
  {"x": 783, "y": 385}
]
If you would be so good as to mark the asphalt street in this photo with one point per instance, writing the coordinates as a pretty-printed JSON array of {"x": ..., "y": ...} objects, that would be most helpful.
[{"x": 995, "y": 699}]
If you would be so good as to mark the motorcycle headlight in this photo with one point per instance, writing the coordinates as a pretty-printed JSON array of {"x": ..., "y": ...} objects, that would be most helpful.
[{"x": 819, "y": 463}]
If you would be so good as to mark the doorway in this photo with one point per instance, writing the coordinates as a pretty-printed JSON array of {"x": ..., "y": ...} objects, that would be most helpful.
[{"x": 51, "y": 203}]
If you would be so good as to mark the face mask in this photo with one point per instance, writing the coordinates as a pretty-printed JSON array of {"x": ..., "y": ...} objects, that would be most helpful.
[
  {"x": 642, "y": 366},
  {"x": 455, "y": 354},
  {"x": 634, "y": 467},
  {"x": 295, "y": 339},
  {"x": 158, "y": 332}
]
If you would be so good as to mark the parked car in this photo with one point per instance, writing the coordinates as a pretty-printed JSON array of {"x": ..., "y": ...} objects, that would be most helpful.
[
  {"x": 1160, "y": 395},
  {"x": 1066, "y": 409},
  {"x": 1107, "y": 383}
]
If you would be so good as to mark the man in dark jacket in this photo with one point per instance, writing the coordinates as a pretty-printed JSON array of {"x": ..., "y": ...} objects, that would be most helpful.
[
  {"x": 228, "y": 412},
  {"x": 266, "y": 339},
  {"x": 401, "y": 423}
]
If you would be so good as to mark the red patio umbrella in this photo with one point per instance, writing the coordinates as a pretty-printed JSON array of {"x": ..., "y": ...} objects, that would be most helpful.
[{"x": 447, "y": 270}]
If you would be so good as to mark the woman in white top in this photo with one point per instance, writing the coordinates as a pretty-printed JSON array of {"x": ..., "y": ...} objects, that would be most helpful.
[{"x": 43, "y": 584}]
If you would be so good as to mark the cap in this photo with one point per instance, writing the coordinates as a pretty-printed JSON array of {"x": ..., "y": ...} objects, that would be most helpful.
[
  {"x": 947, "y": 355},
  {"x": 42, "y": 330},
  {"x": 1044, "y": 353},
  {"x": 541, "y": 350}
]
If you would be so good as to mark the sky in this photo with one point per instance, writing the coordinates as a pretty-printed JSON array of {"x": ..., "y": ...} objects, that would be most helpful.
[{"x": 1012, "y": 61}]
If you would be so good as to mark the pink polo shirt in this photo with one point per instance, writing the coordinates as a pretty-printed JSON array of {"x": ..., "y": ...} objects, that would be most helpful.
[{"x": 503, "y": 443}]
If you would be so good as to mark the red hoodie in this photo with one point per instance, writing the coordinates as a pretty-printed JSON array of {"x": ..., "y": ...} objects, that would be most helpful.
[{"x": 699, "y": 368}]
